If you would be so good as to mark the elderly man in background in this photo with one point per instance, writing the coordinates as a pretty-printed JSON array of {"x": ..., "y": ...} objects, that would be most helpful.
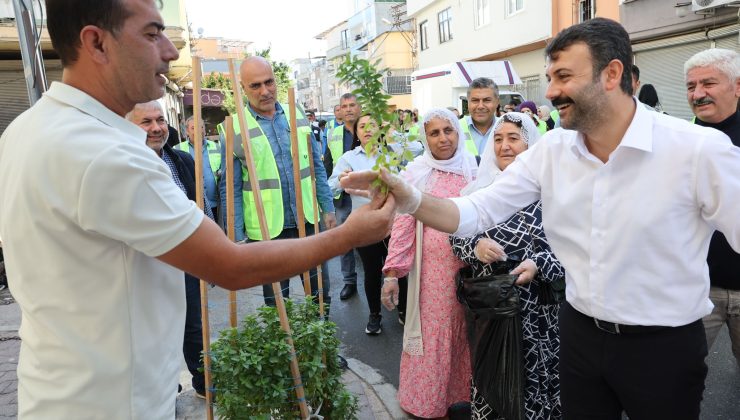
[
  {"x": 150, "y": 117},
  {"x": 713, "y": 89}
]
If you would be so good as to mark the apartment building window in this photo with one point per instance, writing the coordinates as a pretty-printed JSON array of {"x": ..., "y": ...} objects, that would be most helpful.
[
  {"x": 424, "y": 35},
  {"x": 482, "y": 13},
  {"x": 345, "y": 39},
  {"x": 514, "y": 6},
  {"x": 444, "y": 19},
  {"x": 586, "y": 9}
]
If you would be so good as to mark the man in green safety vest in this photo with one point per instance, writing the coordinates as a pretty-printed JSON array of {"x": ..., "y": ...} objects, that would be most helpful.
[
  {"x": 269, "y": 134},
  {"x": 337, "y": 121},
  {"x": 340, "y": 140},
  {"x": 211, "y": 162},
  {"x": 482, "y": 103}
]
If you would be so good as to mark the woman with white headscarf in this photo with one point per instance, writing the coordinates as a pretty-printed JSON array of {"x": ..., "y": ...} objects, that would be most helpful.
[
  {"x": 435, "y": 363},
  {"x": 520, "y": 238}
]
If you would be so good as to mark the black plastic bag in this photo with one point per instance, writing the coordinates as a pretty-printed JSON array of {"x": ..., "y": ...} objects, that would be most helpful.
[{"x": 495, "y": 333}]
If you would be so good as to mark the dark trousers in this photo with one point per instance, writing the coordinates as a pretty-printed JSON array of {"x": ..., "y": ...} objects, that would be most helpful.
[
  {"x": 292, "y": 233},
  {"x": 650, "y": 375},
  {"x": 373, "y": 258},
  {"x": 192, "y": 345},
  {"x": 343, "y": 208}
]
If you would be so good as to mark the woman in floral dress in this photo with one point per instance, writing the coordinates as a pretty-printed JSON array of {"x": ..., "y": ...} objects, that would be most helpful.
[
  {"x": 435, "y": 362},
  {"x": 522, "y": 238}
]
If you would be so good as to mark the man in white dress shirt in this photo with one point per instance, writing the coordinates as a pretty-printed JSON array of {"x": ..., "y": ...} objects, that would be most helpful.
[
  {"x": 96, "y": 234},
  {"x": 630, "y": 199}
]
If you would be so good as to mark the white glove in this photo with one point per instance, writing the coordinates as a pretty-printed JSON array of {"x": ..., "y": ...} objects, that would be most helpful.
[
  {"x": 389, "y": 295},
  {"x": 360, "y": 183},
  {"x": 408, "y": 197}
]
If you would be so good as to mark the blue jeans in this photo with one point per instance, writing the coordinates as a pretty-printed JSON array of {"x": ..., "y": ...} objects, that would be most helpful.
[
  {"x": 292, "y": 233},
  {"x": 343, "y": 208}
]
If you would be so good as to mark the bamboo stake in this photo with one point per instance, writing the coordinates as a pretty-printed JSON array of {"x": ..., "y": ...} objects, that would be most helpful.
[
  {"x": 300, "y": 220},
  {"x": 254, "y": 182},
  {"x": 319, "y": 274},
  {"x": 230, "y": 221},
  {"x": 198, "y": 146}
]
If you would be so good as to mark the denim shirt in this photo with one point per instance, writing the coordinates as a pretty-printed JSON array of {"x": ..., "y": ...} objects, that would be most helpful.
[
  {"x": 277, "y": 131},
  {"x": 209, "y": 180}
]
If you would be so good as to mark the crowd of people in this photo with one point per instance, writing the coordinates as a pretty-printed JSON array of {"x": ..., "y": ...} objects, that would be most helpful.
[{"x": 588, "y": 194}]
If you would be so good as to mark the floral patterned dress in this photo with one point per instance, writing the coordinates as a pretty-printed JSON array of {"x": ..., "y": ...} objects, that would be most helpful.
[
  {"x": 522, "y": 236},
  {"x": 429, "y": 384}
]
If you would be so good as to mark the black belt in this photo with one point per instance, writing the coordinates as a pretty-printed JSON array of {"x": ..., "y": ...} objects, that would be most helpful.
[{"x": 615, "y": 328}]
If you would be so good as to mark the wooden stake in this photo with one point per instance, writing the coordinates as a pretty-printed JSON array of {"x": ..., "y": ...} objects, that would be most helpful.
[
  {"x": 300, "y": 220},
  {"x": 230, "y": 221},
  {"x": 254, "y": 182},
  {"x": 319, "y": 274},
  {"x": 198, "y": 147}
]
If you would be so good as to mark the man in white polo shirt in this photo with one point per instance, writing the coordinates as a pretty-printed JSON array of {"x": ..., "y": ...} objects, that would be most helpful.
[
  {"x": 630, "y": 199},
  {"x": 96, "y": 233}
]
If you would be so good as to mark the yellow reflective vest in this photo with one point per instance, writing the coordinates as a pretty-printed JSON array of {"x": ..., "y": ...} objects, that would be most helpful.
[
  {"x": 469, "y": 143},
  {"x": 269, "y": 176},
  {"x": 214, "y": 155}
]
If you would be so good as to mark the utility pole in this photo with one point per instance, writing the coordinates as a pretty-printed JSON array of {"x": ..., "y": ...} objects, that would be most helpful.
[{"x": 29, "y": 36}]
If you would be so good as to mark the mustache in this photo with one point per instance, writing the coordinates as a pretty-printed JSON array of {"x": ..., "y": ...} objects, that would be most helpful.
[
  {"x": 702, "y": 101},
  {"x": 561, "y": 100}
]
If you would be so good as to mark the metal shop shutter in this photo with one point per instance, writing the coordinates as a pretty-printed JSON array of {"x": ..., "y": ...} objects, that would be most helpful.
[
  {"x": 663, "y": 68},
  {"x": 13, "y": 92},
  {"x": 729, "y": 42}
]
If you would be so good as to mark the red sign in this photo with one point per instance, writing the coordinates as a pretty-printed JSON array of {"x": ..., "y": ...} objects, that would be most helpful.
[{"x": 208, "y": 98}]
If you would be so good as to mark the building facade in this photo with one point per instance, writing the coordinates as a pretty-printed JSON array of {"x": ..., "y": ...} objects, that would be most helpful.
[
  {"x": 14, "y": 94},
  {"x": 378, "y": 31},
  {"x": 515, "y": 30}
]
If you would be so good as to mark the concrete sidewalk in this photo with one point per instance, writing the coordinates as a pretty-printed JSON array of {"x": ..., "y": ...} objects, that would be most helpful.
[{"x": 377, "y": 399}]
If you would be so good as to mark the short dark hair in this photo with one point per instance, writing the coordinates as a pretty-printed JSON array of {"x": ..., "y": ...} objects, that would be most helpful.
[
  {"x": 347, "y": 96},
  {"x": 636, "y": 72},
  {"x": 483, "y": 83},
  {"x": 606, "y": 39},
  {"x": 66, "y": 18}
]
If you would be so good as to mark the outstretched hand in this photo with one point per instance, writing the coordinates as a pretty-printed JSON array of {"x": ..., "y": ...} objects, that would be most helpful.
[
  {"x": 372, "y": 222},
  {"x": 408, "y": 197}
]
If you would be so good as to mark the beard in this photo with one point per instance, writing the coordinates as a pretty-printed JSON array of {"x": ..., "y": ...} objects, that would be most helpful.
[{"x": 587, "y": 109}]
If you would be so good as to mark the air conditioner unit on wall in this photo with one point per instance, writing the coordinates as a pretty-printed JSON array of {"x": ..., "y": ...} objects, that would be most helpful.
[{"x": 697, "y": 5}]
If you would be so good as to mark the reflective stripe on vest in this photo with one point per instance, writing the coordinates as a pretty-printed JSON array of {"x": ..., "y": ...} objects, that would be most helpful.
[
  {"x": 335, "y": 143},
  {"x": 269, "y": 177},
  {"x": 214, "y": 155},
  {"x": 469, "y": 143}
]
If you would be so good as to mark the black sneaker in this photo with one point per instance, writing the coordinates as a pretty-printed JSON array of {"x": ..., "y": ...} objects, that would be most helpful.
[
  {"x": 373, "y": 324},
  {"x": 402, "y": 318}
]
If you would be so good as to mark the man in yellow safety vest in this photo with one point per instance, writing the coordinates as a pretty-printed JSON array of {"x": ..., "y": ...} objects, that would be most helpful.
[
  {"x": 340, "y": 140},
  {"x": 211, "y": 162},
  {"x": 482, "y": 103},
  {"x": 269, "y": 134}
]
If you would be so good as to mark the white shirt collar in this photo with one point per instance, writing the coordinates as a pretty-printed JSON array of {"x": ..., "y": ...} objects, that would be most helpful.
[
  {"x": 78, "y": 99},
  {"x": 639, "y": 134}
]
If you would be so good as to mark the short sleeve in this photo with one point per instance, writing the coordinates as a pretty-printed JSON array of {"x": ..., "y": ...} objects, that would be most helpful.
[{"x": 127, "y": 194}]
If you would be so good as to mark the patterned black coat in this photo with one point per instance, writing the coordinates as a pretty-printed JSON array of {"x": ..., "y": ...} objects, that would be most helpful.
[{"x": 522, "y": 237}]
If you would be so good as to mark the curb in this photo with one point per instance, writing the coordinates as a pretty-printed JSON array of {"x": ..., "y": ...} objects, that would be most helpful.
[{"x": 381, "y": 395}]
